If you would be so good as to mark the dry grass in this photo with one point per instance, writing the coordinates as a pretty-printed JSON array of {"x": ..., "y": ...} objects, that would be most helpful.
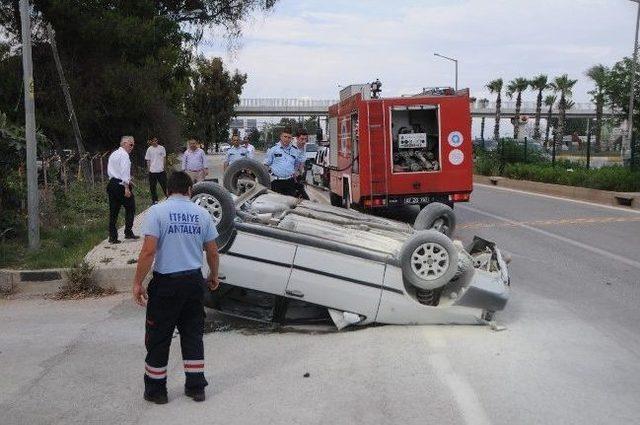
[{"x": 80, "y": 284}]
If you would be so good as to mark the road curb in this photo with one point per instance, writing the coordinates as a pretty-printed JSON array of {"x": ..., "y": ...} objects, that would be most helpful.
[
  {"x": 48, "y": 281},
  {"x": 629, "y": 200}
]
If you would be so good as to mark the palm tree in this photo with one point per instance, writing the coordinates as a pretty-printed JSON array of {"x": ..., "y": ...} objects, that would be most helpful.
[
  {"x": 549, "y": 101},
  {"x": 517, "y": 86},
  {"x": 539, "y": 83},
  {"x": 562, "y": 85},
  {"x": 495, "y": 86},
  {"x": 483, "y": 104},
  {"x": 600, "y": 75}
]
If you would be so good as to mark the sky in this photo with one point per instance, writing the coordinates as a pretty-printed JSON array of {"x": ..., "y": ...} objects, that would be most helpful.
[{"x": 307, "y": 48}]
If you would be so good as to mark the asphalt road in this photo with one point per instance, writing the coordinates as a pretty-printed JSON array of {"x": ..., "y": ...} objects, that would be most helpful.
[{"x": 570, "y": 353}]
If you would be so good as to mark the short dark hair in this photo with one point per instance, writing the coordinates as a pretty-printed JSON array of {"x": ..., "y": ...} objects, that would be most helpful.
[
  {"x": 287, "y": 130},
  {"x": 302, "y": 132},
  {"x": 179, "y": 183}
]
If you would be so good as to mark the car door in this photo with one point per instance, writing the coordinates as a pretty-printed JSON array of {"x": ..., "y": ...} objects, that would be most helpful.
[
  {"x": 258, "y": 262},
  {"x": 336, "y": 280}
]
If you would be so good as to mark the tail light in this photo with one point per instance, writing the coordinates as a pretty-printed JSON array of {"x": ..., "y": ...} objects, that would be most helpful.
[
  {"x": 460, "y": 197},
  {"x": 375, "y": 202}
]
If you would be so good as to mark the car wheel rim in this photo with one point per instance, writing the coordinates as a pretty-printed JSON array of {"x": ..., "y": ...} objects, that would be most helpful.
[
  {"x": 211, "y": 204},
  {"x": 430, "y": 261}
]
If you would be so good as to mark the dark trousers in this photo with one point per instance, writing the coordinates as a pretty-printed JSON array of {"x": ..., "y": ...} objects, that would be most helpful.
[
  {"x": 116, "y": 200},
  {"x": 301, "y": 192},
  {"x": 154, "y": 179},
  {"x": 174, "y": 302},
  {"x": 285, "y": 187}
]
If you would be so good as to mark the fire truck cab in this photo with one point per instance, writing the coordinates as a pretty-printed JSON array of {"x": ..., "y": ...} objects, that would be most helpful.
[{"x": 412, "y": 150}]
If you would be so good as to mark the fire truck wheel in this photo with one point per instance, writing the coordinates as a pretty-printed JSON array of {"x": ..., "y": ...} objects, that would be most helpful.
[
  {"x": 336, "y": 200},
  {"x": 436, "y": 216},
  {"x": 240, "y": 175},
  {"x": 429, "y": 260},
  {"x": 219, "y": 203}
]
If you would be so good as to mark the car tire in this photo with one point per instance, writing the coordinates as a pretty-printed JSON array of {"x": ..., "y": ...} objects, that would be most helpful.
[
  {"x": 219, "y": 203},
  {"x": 436, "y": 216},
  {"x": 429, "y": 260},
  {"x": 234, "y": 171}
]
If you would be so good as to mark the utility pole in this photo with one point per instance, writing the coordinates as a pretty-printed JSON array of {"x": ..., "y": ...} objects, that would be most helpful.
[
  {"x": 67, "y": 99},
  {"x": 633, "y": 80},
  {"x": 30, "y": 129}
]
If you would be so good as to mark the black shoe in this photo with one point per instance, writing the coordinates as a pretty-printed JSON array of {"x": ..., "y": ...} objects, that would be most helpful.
[
  {"x": 196, "y": 394},
  {"x": 131, "y": 236},
  {"x": 159, "y": 398},
  {"x": 114, "y": 241}
]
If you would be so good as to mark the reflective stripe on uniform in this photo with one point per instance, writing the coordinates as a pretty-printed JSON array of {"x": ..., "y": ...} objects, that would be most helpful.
[
  {"x": 194, "y": 366},
  {"x": 155, "y": 372}
]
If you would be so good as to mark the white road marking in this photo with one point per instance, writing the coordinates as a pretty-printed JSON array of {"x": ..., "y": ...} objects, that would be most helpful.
[
  {"x": 559, "y": 198},
  {"x": 593, "y": 249},
  {"x": 461, "y": 390}
]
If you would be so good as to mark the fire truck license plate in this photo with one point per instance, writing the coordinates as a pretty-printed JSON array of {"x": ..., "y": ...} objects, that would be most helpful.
[
  {"x": 417, "y": 200},
  {"x": 412, "y": 140}
]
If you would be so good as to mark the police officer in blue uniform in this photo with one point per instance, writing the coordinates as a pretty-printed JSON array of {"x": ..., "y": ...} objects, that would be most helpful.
[
  {"x": 283, "y": 159},
  {"x": 175, "y": 233},
  {"x": 235, "y": 152}
]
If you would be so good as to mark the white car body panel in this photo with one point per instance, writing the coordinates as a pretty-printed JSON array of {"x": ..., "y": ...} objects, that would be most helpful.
[{"x": 337, "y": 281}]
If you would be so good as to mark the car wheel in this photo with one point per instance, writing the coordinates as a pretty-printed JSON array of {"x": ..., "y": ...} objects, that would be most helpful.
[
  {"x": 243, "y": 174},
  {"x": 436, "y": 216},
  {"x": 218, "y": 202},
  {"x": 429, "y": 260}
]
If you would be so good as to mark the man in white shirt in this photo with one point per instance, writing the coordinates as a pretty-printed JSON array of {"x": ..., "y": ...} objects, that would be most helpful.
[
  {"x": 250, "y": 148},
  {"x": 119, "y": 190},
  {"x": 155, "y": 157},
  {"x": 194, "y": 162}
]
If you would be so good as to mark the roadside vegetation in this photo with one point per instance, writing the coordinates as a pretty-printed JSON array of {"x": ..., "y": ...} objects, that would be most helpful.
[
  {"x": 509, "y": 160},
  {"x": 80, "y": 284},
  {"x": 72, "y": 223}
]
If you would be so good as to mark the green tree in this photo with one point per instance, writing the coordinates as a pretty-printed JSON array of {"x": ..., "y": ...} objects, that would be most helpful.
[
  {"x": 128, "y": 63},
  {"x": 562, "y": 85},
  {"x": 599, "y": 74},
  {"x": 495, "y": 86},
  {"x": 517, "y": 86},
  {"x": 213, "y": 93},
  {"x": 539, "y": 84},
  {"x": 617, "y": 88}
]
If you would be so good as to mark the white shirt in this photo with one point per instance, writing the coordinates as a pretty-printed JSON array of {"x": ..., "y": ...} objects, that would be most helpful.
[
  {"x": 193, "y": 160},
  {"x": 155, "y": 155},
  {"x": 119, "y": 166},
  {"x": 251, "y": 149}
]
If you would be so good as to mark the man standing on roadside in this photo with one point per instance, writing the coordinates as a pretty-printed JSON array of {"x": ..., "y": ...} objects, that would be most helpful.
[
  {"x": 175, "y": 232},
  {"x": 302, "y": 138},
  {"x": 194, "y": 162},
  {"x": 119, "y": 190},
  {"x": 155, "y": 157},
  {"x": 250, "y": 148},
  {"x": 235, "y": 152},
  {"x": 283, "y": 159}
]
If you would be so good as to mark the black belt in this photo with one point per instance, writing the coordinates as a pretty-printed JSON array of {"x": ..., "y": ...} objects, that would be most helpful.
[
  {"x": 115, "y": 180},
  {"x": 178, "y": 274}
]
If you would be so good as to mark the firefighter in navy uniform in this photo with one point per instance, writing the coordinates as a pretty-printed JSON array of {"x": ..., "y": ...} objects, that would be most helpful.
[
  {"x": 283, "y": 160},
  {"x": 175, "y": 232}
]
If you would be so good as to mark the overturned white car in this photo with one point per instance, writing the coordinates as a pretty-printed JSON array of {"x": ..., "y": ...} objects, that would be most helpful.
[{"x": 362, "y": 269}]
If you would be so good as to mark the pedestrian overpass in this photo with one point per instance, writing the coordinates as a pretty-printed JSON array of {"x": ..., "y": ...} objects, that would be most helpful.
[{"x": 296, "y": 107}]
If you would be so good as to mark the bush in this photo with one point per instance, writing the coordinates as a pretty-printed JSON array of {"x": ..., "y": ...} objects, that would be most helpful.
[
  {"x": 613, "y": 178},
  {"x": 80, "y": 284}
]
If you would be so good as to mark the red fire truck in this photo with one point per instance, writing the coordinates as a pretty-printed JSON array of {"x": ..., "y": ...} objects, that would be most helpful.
[{"x": 387, "y": 152}]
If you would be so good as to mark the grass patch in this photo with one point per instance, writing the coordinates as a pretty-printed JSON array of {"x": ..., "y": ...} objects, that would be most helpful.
[
  {"x": 72, "y": 223},
  {"x": 80, "y": 284}
]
